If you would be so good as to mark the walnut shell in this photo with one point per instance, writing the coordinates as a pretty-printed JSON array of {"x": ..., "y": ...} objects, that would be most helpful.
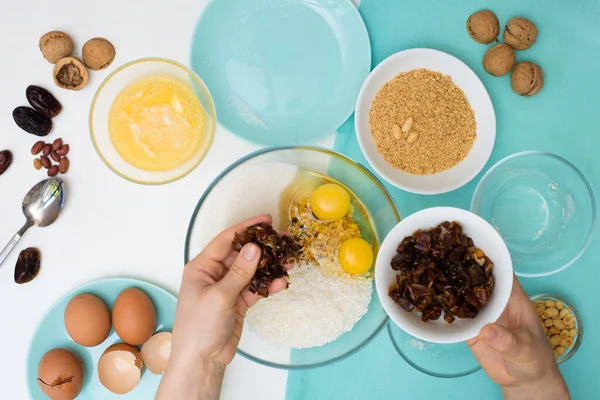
[
  {"x": 499, "y": 60},
  {"x": 98, "y": 53},
  {"x": 527, "y": 79},
  {"x": 483, "y": 26},
  {"x": 520, "y": 33},
  {"x": 70, "y": 73},
  {"x": 55, "y": 45}
]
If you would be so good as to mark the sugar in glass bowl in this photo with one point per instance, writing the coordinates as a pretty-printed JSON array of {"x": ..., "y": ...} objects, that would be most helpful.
[
  {"x": 384, "y": 215},
  {"x": 542, "y": 206},
  {"x": 108, "y": 92}
]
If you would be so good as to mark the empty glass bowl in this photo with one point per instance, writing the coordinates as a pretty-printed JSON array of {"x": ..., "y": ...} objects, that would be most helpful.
[
  {"x": 213, "y": 209},
  {"x": 452, "y": 360},
  {"x": 543, "y": 207}
]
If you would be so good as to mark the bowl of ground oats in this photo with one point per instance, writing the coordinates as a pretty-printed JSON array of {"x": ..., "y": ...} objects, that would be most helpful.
[{"x": 425, "y": 122}]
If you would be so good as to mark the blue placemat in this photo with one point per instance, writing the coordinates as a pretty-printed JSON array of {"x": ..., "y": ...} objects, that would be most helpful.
[{"x": 564, "y": 118}]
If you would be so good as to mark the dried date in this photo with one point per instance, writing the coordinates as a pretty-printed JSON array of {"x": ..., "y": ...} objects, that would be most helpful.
[
  {"x": 43, "y": 101},
  {"x": 5, "y": 160},
  {"x": 276, "y": 252},
  {"x": 28, "y": 265},
  {"x": 440, "y": 270},
  {"x": 32, "y": 121}
]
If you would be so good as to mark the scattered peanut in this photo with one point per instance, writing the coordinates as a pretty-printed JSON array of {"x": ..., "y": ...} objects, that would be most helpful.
[
  {"x": 37, "y": 164},
  {"x": 396, "y": 131},
  {"x": 408, "y": 124},
  {"x": 412, "y": 137},
  {"x": 558, "y": 324}
]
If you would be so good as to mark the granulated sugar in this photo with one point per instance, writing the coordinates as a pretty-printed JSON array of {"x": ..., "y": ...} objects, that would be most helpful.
[{"x": 315, "y": 310}]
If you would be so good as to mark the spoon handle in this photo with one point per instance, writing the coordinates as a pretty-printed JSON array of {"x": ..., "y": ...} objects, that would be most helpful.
[{"x": 13, "y": 242}]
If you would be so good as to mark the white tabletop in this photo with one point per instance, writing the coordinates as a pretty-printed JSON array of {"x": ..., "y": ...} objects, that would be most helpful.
[{"x": 109, "y": 227}]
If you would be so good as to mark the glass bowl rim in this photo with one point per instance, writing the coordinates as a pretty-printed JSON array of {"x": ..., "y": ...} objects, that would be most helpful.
[
  {"x": 583, "y": 179},
  {"x": 421, "y": 369},
  {"x": 141, "y": 61},
  {"x": 579, "y": 338},
  {"x": 271, "y": 149}
]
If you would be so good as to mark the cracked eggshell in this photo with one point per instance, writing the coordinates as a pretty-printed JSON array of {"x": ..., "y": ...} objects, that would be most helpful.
[
  {"x": 156, "y": 352},
  {"x": 120, "y": 368},
  {"x": 60, "y": 374}
]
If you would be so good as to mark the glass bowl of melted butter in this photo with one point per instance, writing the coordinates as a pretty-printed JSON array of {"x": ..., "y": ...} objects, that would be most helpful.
[{"x": 152, "y": 121}]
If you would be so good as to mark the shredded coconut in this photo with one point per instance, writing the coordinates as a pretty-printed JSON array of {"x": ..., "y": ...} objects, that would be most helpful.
[{"x": 315, "y": 310}]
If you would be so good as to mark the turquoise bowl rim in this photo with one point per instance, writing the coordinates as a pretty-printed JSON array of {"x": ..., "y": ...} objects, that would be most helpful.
[
  {"x": 322, "y": 136},
  {"x": 583, "y": 179},
  {"x": 269, "y": 150}
]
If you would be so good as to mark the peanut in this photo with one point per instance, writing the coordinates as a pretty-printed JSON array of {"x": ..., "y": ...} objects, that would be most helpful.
[
  {"x": 396, "y": 131},
  {"x": 408, "y": 124},
  {"x": 551, "y": 312},
  {"x": 560, "y": 350},
  {"x": 555, "y": 340},
  {"x": 573, "y": 332},
  {"x": 560, "y": 305},
  {"x": 559, "y": 323},
  {"x": 412, "y": 137},
  {"x": 564, "y": 312},
  {"x": 548, "y": 323}
]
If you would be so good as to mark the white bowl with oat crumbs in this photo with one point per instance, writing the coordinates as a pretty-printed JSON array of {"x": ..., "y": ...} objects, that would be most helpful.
[{"x": 425, "y": 122}]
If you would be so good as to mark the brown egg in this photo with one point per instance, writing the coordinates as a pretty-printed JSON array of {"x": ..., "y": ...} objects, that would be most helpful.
[
  {"x": 60, "y": 374},
  {"x": 87, "y": 320},
  {"x": 156, "y": 352},
  {"x": 120, "y": 368},
  {"x": 133, "y": 316}
]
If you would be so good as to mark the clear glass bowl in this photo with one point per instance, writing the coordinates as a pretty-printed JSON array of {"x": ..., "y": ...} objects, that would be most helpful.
[
  {"x": 578, "y": 323},
  {"x": 108, "y": 92},
  {"x": 358, "y": 179},
  {"x": 543, "y": 207},
  {"x": 440, "y": 360}
]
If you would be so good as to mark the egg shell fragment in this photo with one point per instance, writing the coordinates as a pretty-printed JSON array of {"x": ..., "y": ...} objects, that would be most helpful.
[
  {"x": 156, "y": 352},
  {"x": 120, "y": 368}
]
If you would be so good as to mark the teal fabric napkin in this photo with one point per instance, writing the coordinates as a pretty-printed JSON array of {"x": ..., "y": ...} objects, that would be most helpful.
[{"x": 564, "y": 118}]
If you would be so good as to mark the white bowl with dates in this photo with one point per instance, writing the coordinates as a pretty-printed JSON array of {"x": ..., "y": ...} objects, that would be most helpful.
[{"x": 484, "y": 236}]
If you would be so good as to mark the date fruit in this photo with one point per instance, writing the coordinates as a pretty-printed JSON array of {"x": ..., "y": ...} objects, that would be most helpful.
[
  {"x": 43, "y": 101},
  {"x": 28, "y": 265},
  {"x": 32, "y": 121},
  {"x": 5, "y": 160}
]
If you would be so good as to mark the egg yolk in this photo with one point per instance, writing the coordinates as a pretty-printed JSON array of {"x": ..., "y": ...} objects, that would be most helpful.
[
  {"x": 355, "y": 256},
  {"x": 330, "y": 202}
]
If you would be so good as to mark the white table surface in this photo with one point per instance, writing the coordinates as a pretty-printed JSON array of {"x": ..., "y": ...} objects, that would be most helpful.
[{"x": 109, "y": 227}]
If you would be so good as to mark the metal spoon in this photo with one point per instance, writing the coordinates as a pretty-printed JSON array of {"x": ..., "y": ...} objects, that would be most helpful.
[{"x": 41, "y": 206}]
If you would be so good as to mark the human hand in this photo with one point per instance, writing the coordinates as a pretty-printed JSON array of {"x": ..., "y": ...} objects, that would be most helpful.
[
  {"x": 516, "y": 354},
  {"x": 213, "y": 301}
]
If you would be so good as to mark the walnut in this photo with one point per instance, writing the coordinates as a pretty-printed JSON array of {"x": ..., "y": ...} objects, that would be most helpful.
[
  {"x": 483, "y": 26},
  {"x": 527, "y": 79},
  {"x": 520, "y": 33},
  {"x": 499, "y": 60},
  {"x": 98, "y": 53},
  {"x": 55, "y": 45},
  {"x": 70, "y": 73}
]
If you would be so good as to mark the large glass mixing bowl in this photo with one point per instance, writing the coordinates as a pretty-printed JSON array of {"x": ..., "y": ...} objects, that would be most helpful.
[{"x": 383, "y": 214}]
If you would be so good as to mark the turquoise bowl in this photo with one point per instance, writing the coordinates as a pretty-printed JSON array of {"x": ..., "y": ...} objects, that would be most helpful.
[
  {"x": 51, "y": 333},
  {"x": 282, "y": 72}
]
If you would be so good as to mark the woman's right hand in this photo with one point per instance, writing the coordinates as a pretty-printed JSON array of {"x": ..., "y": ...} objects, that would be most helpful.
[{"x": 516, "y": 354}]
